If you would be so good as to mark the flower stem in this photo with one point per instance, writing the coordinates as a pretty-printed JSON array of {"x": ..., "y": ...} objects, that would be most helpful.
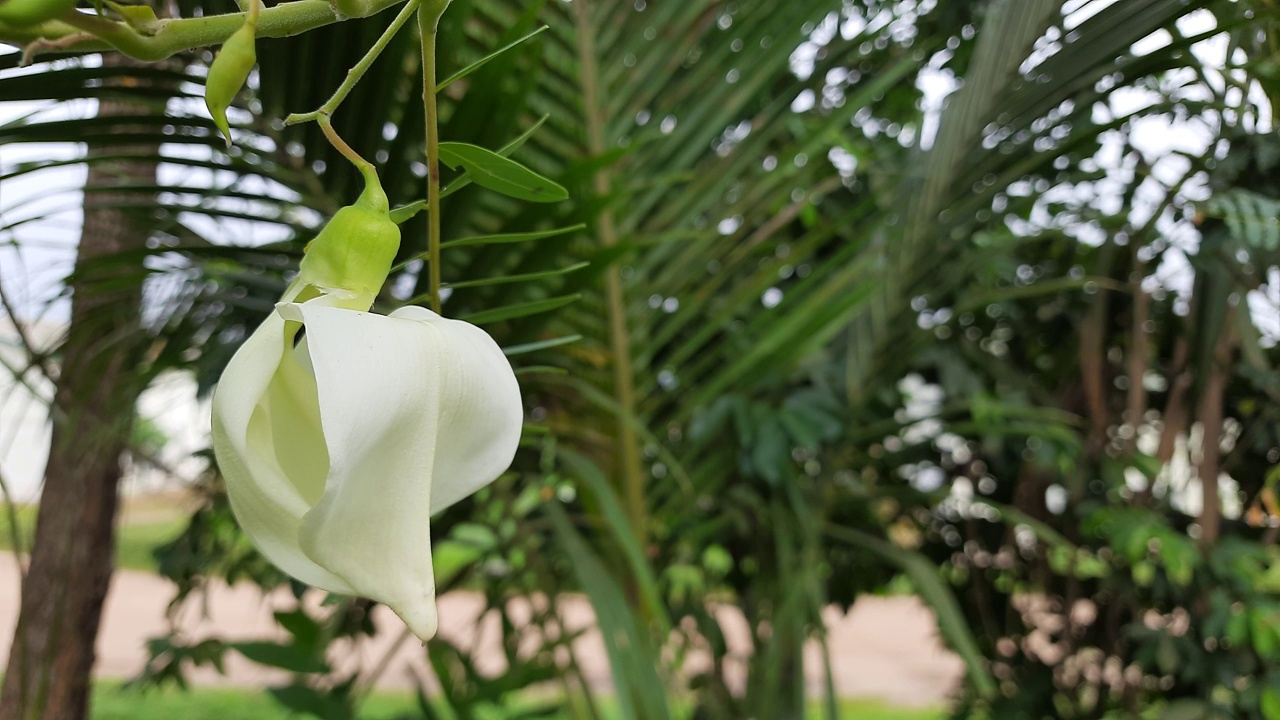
[
  {"x": 428, "y": 22},
  {"x": 364, "y": 166},
  {"x": 356, "y": 73}
]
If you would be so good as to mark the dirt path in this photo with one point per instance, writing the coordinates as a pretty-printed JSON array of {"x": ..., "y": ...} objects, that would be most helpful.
[{"x": 885, "y": 647}]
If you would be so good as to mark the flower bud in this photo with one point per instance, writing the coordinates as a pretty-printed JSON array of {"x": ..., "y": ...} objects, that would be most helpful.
[{"x": 228, "y": 73}]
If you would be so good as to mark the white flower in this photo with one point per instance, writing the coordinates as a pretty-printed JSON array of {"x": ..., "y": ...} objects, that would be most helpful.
[{"x": 338, "y": 447}]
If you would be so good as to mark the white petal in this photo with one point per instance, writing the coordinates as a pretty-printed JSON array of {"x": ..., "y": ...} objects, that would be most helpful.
[
  {"x": 417, "y": 412},
  {"x": 266, "y": 435},
  {"x": 482, "y": 414}
]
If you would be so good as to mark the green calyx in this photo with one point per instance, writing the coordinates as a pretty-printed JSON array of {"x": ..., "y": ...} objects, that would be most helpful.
[{"x": 352, "y": 256}]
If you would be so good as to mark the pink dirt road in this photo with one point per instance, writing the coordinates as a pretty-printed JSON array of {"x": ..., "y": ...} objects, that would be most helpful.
[{"x": 885, "y": 648}]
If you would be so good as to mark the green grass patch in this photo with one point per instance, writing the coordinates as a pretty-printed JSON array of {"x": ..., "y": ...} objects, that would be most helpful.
[
  {"x": 869, "y": 710},
  {"x": 112, "y": 702},
  {"x": 135, "y": 542}
]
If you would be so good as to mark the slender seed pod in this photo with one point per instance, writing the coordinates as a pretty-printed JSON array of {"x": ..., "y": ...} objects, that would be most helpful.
[
  {"x": 229, "y": 71},
  {"x": 353, "y": 253},
  {"x": 24, "y": 13}
]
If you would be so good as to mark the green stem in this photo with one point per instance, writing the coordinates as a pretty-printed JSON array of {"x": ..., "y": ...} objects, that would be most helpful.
[
  {"x": 173, "y": 36},
  {"x": 356, "y": 73},
  {"x": 364, "y": 166},
  {"x": 428, "y": 23},
  {"x": 117, "y": 34}
]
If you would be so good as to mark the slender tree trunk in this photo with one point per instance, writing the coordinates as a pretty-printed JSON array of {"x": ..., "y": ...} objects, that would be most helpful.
[
  {"x": 97, "y": 389},
  {"x": 1210, "y": 416}
]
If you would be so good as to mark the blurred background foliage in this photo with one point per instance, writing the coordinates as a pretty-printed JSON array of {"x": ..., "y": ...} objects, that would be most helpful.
[{"x": 802, "y": 332}]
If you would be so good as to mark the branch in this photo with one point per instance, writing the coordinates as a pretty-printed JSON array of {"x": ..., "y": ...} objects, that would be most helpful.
[
  {"x": 356, "y": 73},
  {"x": 176, "y": 35}
]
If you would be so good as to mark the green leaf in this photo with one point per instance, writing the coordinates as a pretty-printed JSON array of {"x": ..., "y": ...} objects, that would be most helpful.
[
  {"x": 139, "y": 17},
  {"x": 304, "y": 629},
  {"x": 512, "y": 237},
  {"x": 490, "y": 170},
  {"x": 450, "y": 558},
  {"x": 540, "y": 345},
  {"x": 309, "y": 701},
  {"x": 805, "y": 431},
  {"x": 1264, "y": 630},
  {"x": 404, "y": 213},
  {"x": 482, "y": 61},
  {"x": 770, "y": 453},
  {"x": 501, "y": 239},
  {"x": 1187, "y": 710},
  {"x": 465, "y": 179},
  {"x": 1271, "y": 702},
  {"x": 1252, "y": 218},
  {"x": 540, "y": 370},
  {"x": 594, "y": 481},
  {"x": 285, "y": 657},
  {"x": 521, "y": 310},
  {"x": 639, "y": 690},
  {"x": 503, "y": 279}
]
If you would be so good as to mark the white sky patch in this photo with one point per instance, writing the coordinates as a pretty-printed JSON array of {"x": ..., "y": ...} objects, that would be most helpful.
[
  {"x": 1075, "y": 13},
  {"x": 36, "y": 256},
  {"x": 1264, "y": 308}
]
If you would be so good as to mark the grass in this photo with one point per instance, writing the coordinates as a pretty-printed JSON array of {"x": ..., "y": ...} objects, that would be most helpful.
[
  {"x": 135, "y": 541},
  {"x": 111, "y": 702}
]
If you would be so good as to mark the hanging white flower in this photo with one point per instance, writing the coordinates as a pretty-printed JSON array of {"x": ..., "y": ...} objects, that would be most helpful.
[{"x": 340, "y": 442}]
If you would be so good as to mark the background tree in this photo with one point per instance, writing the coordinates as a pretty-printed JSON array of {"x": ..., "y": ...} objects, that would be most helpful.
[{"x": 65, "y": 581}]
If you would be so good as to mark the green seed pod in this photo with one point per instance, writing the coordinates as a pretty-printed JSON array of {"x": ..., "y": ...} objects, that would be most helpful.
[
  {"x": 351, "y": 257},
  {"x": 24, "y": 13},
  {"x": 228, "y": 73}
]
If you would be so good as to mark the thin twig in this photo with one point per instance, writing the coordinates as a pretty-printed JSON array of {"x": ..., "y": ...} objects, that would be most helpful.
[
  {"x": 1211, "y": 418},
  {"x": 41, "y": 45},
  {"x": 34, "y": 359},
  {"x": 341, "y": 145},
  {"x": 368, "y": 682}
]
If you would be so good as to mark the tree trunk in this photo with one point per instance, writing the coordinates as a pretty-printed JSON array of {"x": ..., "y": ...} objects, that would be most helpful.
[{"x": 97, "y": 389}]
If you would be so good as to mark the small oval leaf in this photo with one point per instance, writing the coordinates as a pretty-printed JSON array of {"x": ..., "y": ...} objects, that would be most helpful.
[{"x": 490, "y": 170}]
